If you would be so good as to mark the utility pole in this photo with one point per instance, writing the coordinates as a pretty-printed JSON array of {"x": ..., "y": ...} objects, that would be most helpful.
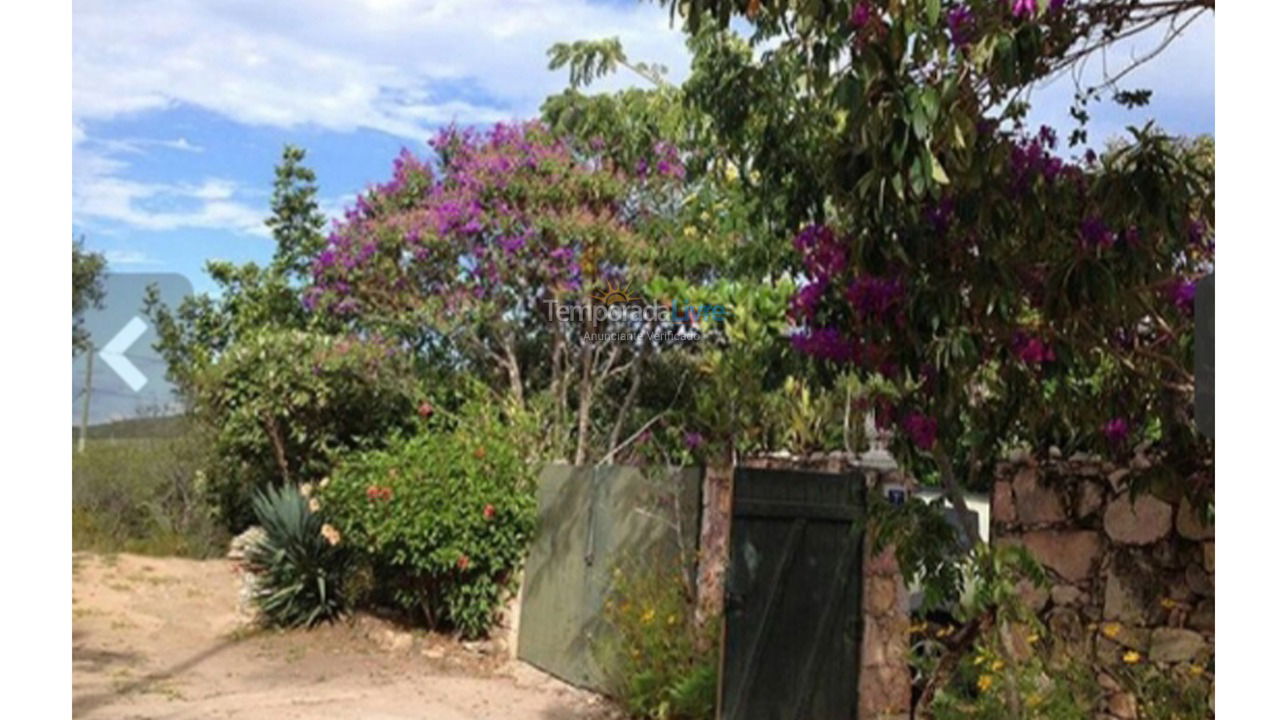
[{"x": 88, "y": 393}]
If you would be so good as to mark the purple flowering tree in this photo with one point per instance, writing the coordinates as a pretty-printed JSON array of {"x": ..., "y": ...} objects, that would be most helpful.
[
  {"x": 466, "y": 256},
  {"x": 1003, "y": 287}
]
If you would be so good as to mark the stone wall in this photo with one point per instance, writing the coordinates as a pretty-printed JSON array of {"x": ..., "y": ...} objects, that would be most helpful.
[{"x": 1132, "y": 576}]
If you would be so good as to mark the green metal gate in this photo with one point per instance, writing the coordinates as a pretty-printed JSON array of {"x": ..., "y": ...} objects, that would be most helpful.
[
  {"x": 793, "y": 597},
  {"x": 589, "y": 521}
]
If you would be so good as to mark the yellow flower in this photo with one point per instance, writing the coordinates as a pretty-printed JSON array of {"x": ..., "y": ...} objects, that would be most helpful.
[
  {"x": 1132, "y": 657},
  {"x": 1195, "y": 669},
  {"x": 1111, "y": 630},
  {"x": 944, "y": 632},
  {"x": 305, "y": 489},
  {"x": 647, "y": 617},
  {"x": 997, "y": 665},
  {"x": 1033, "y": 638},
  {"x": 690, "y": 231},
  {"x": 1034, "y": 699},
  {"x": 671, "y": 619},
  {"x": 919, "y": 627},
  {"x": 1168, "y": 603},
  {"x": 984, "y": 682}
]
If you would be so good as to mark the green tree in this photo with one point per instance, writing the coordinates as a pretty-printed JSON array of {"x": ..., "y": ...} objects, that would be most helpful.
[
  {"x": 87, "y": 270},
  {"x": 251, "y": 297}
]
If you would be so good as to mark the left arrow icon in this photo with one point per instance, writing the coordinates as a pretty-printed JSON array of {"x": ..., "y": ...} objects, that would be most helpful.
[{"x": 113, "y": 354}]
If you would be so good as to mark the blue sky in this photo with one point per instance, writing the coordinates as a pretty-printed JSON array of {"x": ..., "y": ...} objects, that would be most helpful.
[{"x": 180, "y": 108}]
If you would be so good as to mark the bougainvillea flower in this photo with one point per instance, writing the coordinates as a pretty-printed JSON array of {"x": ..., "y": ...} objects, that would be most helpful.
[
  {"x": 921, "y": 429},
  {"x": 1116, "y": 430}
]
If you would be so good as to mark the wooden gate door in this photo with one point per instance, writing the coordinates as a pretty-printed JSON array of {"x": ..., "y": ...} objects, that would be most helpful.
[{"x": 793, "y": 597}]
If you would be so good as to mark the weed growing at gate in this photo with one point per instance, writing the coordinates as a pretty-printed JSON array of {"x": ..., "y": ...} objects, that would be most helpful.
[{"x": 666, "y": 667}]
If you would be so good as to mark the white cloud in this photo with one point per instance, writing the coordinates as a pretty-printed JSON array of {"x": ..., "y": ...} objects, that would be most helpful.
[
  {"x": 100, "y": 191},
  {"x": 399, "y": 66},
  {"x": 163, "y": 206},
  {"x": 129, "y": 257}
]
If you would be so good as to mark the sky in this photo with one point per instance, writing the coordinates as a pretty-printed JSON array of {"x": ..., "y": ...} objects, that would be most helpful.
[{"x": 180, "y": 108}]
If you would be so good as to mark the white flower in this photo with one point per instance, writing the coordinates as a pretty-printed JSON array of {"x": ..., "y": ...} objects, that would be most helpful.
[{"x": 331, "y": 534}]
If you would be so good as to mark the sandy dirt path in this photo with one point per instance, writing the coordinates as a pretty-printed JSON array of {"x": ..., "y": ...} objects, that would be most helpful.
[{"x": 159, "y": 638}]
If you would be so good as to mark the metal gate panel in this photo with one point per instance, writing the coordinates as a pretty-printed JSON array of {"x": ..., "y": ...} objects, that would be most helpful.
[{"x": 589, "y": 521}]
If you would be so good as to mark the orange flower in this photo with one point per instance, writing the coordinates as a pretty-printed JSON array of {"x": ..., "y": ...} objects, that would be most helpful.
[{"x": 463, "y": 562}]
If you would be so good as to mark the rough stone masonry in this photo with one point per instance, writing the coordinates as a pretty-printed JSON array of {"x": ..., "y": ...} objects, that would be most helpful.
[{"x": 1131, "y": 573}]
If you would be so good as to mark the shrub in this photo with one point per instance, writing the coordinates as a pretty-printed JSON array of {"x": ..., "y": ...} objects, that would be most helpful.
[
  {"x": 143, "y": 495},
  {"x": 283, "y": 404},
  {"x": 662, "y": 665},
  {"x": 444, "y": 517},
  {"x": 300, "y": 563}
]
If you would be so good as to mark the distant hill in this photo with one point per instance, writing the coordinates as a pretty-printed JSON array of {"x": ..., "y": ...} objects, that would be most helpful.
[{"x": 149, "y": 427}]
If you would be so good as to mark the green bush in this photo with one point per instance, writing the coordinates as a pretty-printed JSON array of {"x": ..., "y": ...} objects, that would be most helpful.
[
  {"x": 143, "y": 495},
  {"x": 282, "y": 405},
  {"x": 444, "y": 517},
  {"x": 663, "y": 666},
  {"x": 300, "y": 562}
]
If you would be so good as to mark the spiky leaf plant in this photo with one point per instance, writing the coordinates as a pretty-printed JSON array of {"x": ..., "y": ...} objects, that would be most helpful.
[{"x": 300, "y": 563}]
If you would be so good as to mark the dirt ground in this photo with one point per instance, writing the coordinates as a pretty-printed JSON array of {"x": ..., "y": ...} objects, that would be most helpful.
[{"x": 160, "y": 638}]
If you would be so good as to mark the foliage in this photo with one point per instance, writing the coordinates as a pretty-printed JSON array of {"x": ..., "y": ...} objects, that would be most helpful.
[
  {"x": 1181, "y": 692},
  {"x": 144, "y": 495},
  {"x": 443, "y": 516},
  {"x": 660, "y": 672},
  {"x": 87, "y": 269},
  {"x": 925, "y": 544},
  {"x": 250, "y": 297},
  {"x": 464, "y": 259},
  {"x": 998, "y": 662},
  {"x": 1010, "y": 295},
  {"x": 283, "y": 404},
  {"x": 300, "y": 564}
]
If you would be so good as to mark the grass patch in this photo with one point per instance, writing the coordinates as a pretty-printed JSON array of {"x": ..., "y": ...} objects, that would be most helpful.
[{"x": 143, "y": 496}]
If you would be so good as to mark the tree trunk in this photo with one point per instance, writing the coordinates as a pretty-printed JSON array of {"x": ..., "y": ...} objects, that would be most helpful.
[
  {"x": 513, "y": 371},
  {"x": 277, "y": 446},
  {"x": 585, "y": 395},
  {"x": 627, "y": 403}
]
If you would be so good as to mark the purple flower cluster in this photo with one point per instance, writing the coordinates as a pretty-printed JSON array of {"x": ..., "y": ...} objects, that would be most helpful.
[
  {"x": 1094, "y": 234},
  {"x": 921, "y": 429},
  {"x": 825, "y": 343},
  {"x": 823, "y": 252},
  {"x": 466, "y": 225},
  {"x": 1025, "y": 9},
  {"x": 804, "y": 304},
  {"x": 876, "y": 299},
  {"x": 860, "y": 15},
  {"x": 960, "y": 24},
  {"x": 1182, "y": 293},
  {"x": 1032, "y": 350},
  {"x": 1116, "y": 430},
  {"x": 1030, "y": 160}
]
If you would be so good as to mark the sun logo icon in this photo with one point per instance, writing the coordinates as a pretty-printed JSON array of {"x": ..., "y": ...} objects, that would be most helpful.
[{"x": 614, "y": 295}]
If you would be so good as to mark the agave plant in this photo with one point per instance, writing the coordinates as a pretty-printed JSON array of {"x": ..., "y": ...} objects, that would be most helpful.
[{"x": 301, "y": 567}]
